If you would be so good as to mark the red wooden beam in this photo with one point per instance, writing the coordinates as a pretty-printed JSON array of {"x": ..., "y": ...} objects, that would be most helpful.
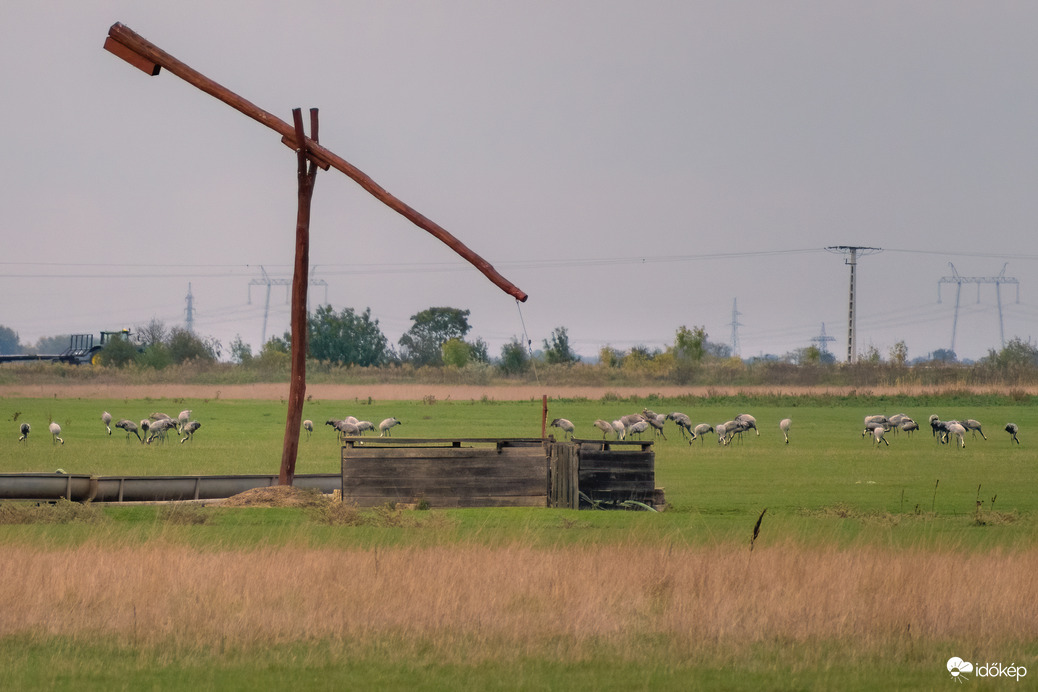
[{"x": 140, "y": 52}]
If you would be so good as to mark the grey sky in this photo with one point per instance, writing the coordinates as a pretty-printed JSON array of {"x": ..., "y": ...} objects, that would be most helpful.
[{"x": 633, "y": 167}]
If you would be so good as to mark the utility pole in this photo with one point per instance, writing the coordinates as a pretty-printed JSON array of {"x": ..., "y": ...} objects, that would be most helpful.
[
  {"x": 735, "y": 324},
  {"x": 959, "y": 280},
  {"x": 268, "y": 282},
  {"x": 852, "y": 261}
]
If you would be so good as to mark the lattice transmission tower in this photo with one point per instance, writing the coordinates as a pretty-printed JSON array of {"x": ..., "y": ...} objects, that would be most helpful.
[
  {"x": 958, "y": 279},
  {"x": 190, "y": 309},
  {"x": 735, "y": 324},
  {"x": 823, "y": 340},
  {"x": 853, "y": 251},
  {"x": 268, "y": 281}
]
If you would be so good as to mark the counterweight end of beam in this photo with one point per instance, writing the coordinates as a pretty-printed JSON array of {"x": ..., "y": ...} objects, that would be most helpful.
[{"x": 129, "y": 55}]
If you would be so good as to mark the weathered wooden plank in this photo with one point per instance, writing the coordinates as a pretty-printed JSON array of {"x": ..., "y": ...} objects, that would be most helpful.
[
  {"x": 445, "y": 468},
  {"x": 459, "y": 485},
  {"x": 448, "y": 502}
]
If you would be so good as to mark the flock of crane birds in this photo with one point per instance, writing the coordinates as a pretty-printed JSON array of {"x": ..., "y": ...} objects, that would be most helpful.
[
  {"x": 876, "y": 426},
  {"x": 158, "y": 425},
  {"x": 154, "y": 427},
  {"x": 638, "y": 423}
]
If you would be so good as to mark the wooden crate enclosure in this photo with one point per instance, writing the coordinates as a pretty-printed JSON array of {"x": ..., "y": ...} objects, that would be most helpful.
[
  {"x": 499, "y": 473},
  {"x": 446, "y": 473}
]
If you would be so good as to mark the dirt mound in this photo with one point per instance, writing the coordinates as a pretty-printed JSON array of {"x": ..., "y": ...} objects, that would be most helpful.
[{"x": 277, "y": 496}]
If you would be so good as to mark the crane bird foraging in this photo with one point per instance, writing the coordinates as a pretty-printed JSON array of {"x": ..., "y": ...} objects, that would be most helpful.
[
  {"x": 973, "y": 426},
  {"x": 784, "y": 426},
  {"x": 106, "y": 418},
  {"x": 878, "y": 431},
  {"x": 55, "y": 431},
  {"x": 748, "y": 422},
  {"x": 24, "y": 429},
  {"x": 700, "y": 430},
  {"x": 308, "y": 426},
  {"x": 605, "y": 426},
  {"x": 684, "y": 424},
  {"x": 189, "y": 430},
  {"x": 130, "y": 427},
  {"x": 1012, "y": 429},
  {"x": 564, "y": 425},
  {"x": 955, "y": 428},
  {"x": 159, "y": 429},
  {"x": 385, "y": 428}
]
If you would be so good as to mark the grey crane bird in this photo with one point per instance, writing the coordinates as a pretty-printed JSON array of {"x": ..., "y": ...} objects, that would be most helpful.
[
  {"x": 909, "y": 426},
  {"x": 684, "y": 424},
  {"x": 784, "y": 426},
  {"x": 974, "y": 427},
  {"x": 106, "y": 418},
  {"x": 1013, "y": 429},
  {"x": 385, "y": 428},
  {"x": 748, "y": 422},
  {"x": 656, "y": 422},
  {"x": 564, "y": 425},
  {"x": 189, "y": 430},
  {"x": 308, "y": 426},
  {"x": 160, "y": 428},
  {"x": 24, "y": 429},
  {"x": 701, "y": 430},
  {"x": 605, "y": 426},
  {"x": 130, "y": 427},
  {"x": 638, "y": 428},
  {"x": 55, "y": 431}
]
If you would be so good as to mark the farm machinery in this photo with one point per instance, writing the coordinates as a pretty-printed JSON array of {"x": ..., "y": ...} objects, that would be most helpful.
[{"x": 81, "y": 349}]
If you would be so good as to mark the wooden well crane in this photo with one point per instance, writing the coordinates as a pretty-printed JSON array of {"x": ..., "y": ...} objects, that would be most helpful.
[{"x": 310, "y": 156}]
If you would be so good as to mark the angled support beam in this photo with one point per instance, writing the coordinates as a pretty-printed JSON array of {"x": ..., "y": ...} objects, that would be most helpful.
[{"x": 148, "y": 57}]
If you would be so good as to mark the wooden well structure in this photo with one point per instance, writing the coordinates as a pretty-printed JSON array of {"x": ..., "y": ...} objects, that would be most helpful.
[{"x": 499, "y": 472}]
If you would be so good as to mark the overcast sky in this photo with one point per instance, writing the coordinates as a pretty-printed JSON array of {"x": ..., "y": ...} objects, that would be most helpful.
[{"x": 632, "y": 166}]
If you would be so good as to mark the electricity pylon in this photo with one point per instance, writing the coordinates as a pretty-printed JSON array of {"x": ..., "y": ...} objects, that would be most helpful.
[{"x": 959, "y": 280}]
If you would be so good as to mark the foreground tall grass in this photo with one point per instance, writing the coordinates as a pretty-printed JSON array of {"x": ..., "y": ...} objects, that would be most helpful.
[{"x": 467, "y": 606}]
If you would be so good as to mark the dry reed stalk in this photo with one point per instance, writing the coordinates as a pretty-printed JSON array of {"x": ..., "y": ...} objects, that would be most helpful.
[{"x": 519, "y": 597}]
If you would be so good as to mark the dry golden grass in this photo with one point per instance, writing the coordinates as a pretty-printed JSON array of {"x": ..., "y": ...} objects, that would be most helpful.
[{"x": 519, "y": 599}]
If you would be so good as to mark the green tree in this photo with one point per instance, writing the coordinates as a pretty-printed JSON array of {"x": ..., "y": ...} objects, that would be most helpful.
[
  {"x": 9, "y": 344},
  {"x": 809, "y": 355},
  {"x": 154, "y": 332},
  {"x": 690, "y": 344},
  {"x": 241, "y": 352},
  {"x": 899, "y": 354},
  {"x": 346, "y": 337},
  {"x": 1015, "y": 358},
  {"x": 456, "y": 352},
  {"x": 430, "y": 329},
  {"x": 185, "y": 346},
  {"x": 514, "y": 358},
  {"x": 556, "y": 348},
  {"x": 118, "y": 352},
  {"x": 479, "y": 352},
  {"x": 609, "y": 357}
]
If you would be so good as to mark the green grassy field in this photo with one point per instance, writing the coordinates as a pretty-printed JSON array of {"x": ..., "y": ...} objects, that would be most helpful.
[{"x": 830, "y": 496}]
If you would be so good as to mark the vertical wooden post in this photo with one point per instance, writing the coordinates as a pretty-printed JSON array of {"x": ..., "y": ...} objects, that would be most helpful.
[
  {"x": 544, "y": 416},
  {"x": 307, "y": 175}
]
